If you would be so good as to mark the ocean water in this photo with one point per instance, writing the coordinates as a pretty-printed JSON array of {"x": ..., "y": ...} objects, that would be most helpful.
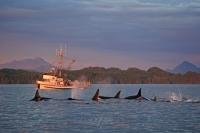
[{"x": 19, "y": 114}]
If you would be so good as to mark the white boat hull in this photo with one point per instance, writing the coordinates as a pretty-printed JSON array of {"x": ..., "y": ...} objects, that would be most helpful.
[
  {"x": 48, "y": 86},
  {"x": 56, "y": 87}
]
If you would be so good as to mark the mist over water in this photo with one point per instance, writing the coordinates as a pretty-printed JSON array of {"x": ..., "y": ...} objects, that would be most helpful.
[
  {"x": 76, "y": 93},
  {"x": 18, "y": 114}
]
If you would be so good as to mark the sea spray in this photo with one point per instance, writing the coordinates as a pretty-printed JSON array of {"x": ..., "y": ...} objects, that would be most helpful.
[
  {"x": 76, "y": 93},
  {"x": 175, "y": 97}
]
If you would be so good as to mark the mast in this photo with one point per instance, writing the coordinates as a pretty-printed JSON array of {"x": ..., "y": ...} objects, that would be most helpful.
[
  {"x": 60, "y": 57},
  {"x": 60, "y": 54}
]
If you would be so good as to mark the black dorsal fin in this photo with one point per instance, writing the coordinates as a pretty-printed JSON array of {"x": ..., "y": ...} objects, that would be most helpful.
[
  {"x": 139, "y": 93},
  {"x": 96, "y": 96},
  {"x": 37, "y": 94},
  {"x": 118, "y": 94}
]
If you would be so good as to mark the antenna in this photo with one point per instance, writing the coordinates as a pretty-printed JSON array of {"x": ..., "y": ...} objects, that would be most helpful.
[
  {"x": 66, "y": 49},
  {"x": 60, "y": 56}
]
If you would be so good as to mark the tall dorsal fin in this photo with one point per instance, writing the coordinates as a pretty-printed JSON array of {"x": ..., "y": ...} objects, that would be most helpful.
[
  {"x": 38, "y": 86},
  {"x": 37, "y": 94},
  {"x": 118, "y": 94},
  {"x": 96, "y": 96},
  {"x": 139, "y": 93}
]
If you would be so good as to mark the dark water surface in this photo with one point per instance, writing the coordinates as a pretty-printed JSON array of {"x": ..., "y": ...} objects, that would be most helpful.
[{"x": 18, "y": 114}]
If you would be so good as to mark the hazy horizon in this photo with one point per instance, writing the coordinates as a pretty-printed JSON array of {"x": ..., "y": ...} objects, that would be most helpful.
[
  {"x": 111, "y": 33},
  {"x": 66, "y": 63}
]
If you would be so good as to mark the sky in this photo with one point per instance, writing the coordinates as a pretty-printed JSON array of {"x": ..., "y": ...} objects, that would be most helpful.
[{"x": 107, "y": 33}]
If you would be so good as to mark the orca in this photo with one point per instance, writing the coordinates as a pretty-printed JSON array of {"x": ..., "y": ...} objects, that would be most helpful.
[
  {"x": 137, "y": 97},
  {"x": 37, "y": 97},
  {"x": 96, "y": 96},
  {"x": 116, "y": 96},
  {"x": 158, "y": 99},
  {"x": 73, "y": 99}
]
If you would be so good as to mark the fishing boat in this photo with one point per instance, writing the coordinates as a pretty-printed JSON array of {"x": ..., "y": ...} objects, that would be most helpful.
[{"x": 55, "y": 80}]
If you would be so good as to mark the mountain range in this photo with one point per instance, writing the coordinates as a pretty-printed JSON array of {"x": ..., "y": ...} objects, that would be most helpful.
[
  {"x": 40, "y": 65},
  {"x": 36, "y": 64}
]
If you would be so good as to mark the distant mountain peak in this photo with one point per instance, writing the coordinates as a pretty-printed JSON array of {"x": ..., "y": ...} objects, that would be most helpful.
[
  {"x": 185, "y": 67},
  {"x": 187, "y": 63},
  {"x": 35, "y": 64}
]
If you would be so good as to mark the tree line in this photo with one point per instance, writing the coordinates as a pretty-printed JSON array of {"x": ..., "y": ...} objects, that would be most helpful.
[
  {"x": 100, "y": 75},
  {"x": 12, "y": 76}
]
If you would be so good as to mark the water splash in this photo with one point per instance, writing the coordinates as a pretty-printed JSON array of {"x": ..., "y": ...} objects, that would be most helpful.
[
  {"x": 173, "y": 97},
  {"x": 193, "y": 100},
  {"x": 76, "y": 93},
  {"x": 81, "y": 84}
]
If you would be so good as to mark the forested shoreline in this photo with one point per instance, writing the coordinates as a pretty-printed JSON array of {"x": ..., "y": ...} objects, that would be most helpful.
[{"x": 100, "y": 75}]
